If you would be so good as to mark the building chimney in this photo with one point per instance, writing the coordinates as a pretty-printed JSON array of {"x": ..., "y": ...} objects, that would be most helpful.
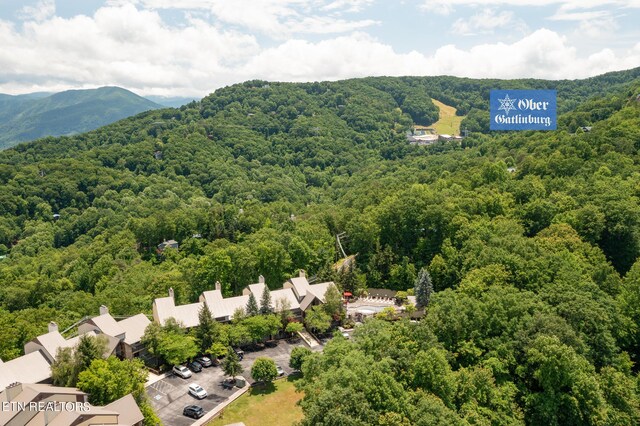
[
  {"x": 261, "y": 279},
  {"x": 53, "y": 327},
  {"x": 13, "y": 390},
  {"x": 104, "y": 310},
  {"x": 302, "y": 273},
  {"x": 218, "y": 286},
  {"x": 171, "y": 295}
]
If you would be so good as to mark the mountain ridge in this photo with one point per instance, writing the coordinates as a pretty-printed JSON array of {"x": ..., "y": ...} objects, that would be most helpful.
[{"x": 32, "y": 116}]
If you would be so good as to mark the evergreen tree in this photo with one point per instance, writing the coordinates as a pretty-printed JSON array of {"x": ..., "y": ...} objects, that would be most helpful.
[
  {"x": 265, "y": 302},
  {"x": 70, "y": 362},
  {"x": 348, "y": 277},
  {"x": 423, "y": 288},
  {"x": 88, "y": 349},
  {"x": 252, "y": 306},
  {"x": 333, "y": 302},
  {"x": 207, "y": 330},
  {"x": 231, "y": 364},
  {"x": 283, "y": 307}
]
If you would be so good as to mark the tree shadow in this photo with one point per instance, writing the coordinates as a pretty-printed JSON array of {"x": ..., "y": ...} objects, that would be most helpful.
[
  {"x": 294, "y": 377},
  {"x": 263, "y": 388}
]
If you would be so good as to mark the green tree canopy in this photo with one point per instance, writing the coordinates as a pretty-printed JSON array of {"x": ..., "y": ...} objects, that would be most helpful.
[{"x": 264, "y": 370}]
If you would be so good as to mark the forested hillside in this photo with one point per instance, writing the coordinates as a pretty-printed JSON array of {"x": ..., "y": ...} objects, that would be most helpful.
[
  {"x": 536, "y": 274},
  {"x": 28, "y": 117}
]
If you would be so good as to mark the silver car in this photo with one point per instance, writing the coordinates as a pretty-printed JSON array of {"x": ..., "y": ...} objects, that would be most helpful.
[
  {"x": 197, "y": 391},
  {"x": 182, "y": 371}
]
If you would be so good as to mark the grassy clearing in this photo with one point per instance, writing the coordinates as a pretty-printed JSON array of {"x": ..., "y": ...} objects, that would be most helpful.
[
  {"x": 448, "y": 122},
  {"x": 273, "y": 405}
]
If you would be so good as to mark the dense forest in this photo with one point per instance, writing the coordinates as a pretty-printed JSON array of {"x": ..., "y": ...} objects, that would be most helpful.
[{"x": 532, "y": 239}]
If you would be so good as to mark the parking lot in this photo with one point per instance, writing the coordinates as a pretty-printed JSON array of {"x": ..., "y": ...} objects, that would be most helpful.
[{"x": 169, "y": 396}]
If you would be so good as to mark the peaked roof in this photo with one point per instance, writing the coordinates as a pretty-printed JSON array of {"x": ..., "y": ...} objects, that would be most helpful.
[
  {"x": 300, "y": 286},
  {"x": 53, "y": 340},
  {"x": 134, "y": 328},
  {"x": 315, "y": 292},
  {"x": 281, "y": 293},
  {"x": 165, "y": 308},
  {"x": 129, "y": 412},
  {"x": 222, "y": 307},
  {"x": 108, "y": 325},
  {"x": 29, "y": 368},
  {"x": 256, "y": 289},
  {"x": 320, "y": 289},
  {"x": 188, "y": 314},
  {"x": 286, "y": 294},
  {"x": 122, "y": 412}
]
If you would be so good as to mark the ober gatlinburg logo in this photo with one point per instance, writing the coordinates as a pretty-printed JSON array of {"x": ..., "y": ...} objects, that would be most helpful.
[{"x": 523, "y": 110}]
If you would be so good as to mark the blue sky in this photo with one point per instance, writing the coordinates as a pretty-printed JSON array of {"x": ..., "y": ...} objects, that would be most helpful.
[{"x": 192, "y": 47}]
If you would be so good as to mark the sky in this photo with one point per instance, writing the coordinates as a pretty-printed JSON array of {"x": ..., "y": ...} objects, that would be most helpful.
[{"x": 192, "y": 47}]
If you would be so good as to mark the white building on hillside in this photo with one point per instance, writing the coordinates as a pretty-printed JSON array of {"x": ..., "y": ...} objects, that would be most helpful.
[{"x": 297, "y": 292}]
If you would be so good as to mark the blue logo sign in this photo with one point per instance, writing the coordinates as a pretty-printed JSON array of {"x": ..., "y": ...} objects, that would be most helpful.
[{"x": 523, "y": 110}]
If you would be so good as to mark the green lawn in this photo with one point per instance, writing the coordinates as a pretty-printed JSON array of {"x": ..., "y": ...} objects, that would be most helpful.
[
  {"x": 274, "y": 405},
  {"x": 448, "y": 122}
]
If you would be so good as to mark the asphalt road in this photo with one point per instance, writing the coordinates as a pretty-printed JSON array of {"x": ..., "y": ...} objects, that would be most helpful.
[{"x": 170, "y": 395}]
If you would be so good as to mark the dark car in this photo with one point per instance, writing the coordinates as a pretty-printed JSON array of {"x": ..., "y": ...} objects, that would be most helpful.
[
  {"x": 204, "y": 361},
  {"x": 193, "y": 411},
  {"x": 195, "y": 366},
  {"x": 240, "y": 353}
]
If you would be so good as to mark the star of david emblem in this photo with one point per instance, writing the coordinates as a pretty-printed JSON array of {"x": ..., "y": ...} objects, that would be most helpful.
[{"x": 506, "y": 104}]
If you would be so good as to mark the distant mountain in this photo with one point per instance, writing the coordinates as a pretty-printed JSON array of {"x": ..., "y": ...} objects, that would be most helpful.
[
  {"x": 172, "y": 101},
  {"x": 32, "y": 116}
]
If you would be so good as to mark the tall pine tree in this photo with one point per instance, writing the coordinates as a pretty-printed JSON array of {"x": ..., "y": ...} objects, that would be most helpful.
[
  {"x": 231, "y": 364},
  {"x": 423, "y": 288},
  {"x": 207, "y": 331},
  {"x": 265, "y": 302},
  {"x": 252, "y": 306}
]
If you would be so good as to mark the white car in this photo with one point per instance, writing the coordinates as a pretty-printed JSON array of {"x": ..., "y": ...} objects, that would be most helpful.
[
  {"x": 182, "y": 371},
  {"x": 197, "y": 391},
  {"x": 279, "y": 370}
]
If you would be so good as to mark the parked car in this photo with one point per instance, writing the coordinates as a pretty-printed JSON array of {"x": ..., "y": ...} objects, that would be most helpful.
[
  {"x": 194, "y": 366},
  {"x": 240, "y": 353},
  {"x": 193, "y": 411},
  {"x": 182, "y": 371},
  {"x": 204, "y": 361},
  {"x": 197, "y": 391},
  {"x": 280, "y": 370}
]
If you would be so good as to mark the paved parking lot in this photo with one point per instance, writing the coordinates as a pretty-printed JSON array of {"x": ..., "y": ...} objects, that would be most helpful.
[{"x": 169, "y": 396}]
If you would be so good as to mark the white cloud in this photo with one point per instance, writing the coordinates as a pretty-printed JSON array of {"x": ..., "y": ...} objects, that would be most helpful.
[
  {"x": 597, "y": 28},
  {"x": 123, "y": 46},
  {"x": 44, "y": 9},
  {"x": 579, "y": 16},
  {"x": 135, "y": 48},
  {"x": 348, "y": 5},
  {"x": 276, "y": 18},
  {"x": 542, "y": 54},
  {"x": 446, "y": 7},
  {"x": 484, "y": 22}
]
